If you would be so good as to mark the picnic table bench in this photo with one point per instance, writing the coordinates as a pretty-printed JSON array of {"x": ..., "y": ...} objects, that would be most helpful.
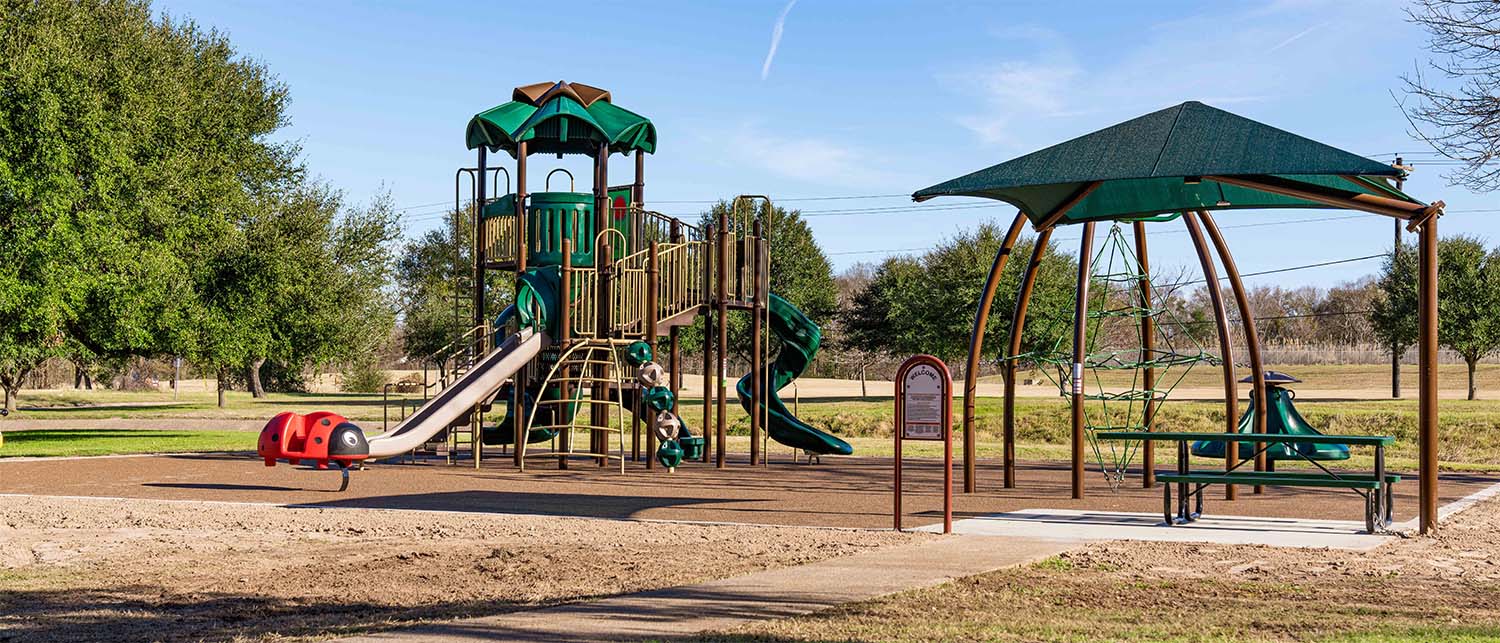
[{"x": 1375, "y": 487}]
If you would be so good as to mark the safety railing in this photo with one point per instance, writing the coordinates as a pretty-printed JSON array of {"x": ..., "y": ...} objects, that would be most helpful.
[
  {"x": 584, "y": 317},
  {"x": 502, "y": 239}
]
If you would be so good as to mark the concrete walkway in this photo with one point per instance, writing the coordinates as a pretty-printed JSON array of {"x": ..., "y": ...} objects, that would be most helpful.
[{"x": 723, "y": 604}]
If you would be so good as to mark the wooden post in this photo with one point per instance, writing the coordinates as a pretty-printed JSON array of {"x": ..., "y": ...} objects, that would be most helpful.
[
  {"x": 653, "y": 294},
  {"x": 1148, "y": 354},
  {"x": 1252, "y": 338},
  {"x": 976, "y": 346},
  {"x": 756, "y": 367},
  {"x": 1080, "y": 352},
  {"x": 1013, "y": 348},
  {"x": 722, "y": 319},
  {"x": 1427, "y": 353},
  {"x": 1226, "y": 349}
]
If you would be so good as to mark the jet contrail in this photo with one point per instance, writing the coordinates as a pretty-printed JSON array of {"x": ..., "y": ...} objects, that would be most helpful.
[{"x": 765, "y": 69}]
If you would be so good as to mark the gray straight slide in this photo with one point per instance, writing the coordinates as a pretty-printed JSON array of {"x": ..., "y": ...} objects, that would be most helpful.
[{"x": 475, "y": 387}]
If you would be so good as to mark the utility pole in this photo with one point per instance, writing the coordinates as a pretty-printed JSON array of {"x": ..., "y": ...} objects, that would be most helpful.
[{"x": 1396, "y": 250}]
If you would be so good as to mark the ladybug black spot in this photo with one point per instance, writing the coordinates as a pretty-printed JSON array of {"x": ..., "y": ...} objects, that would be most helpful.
[
  {"x": 325, "y": 422},
  {"x": 317, "y": 440}
]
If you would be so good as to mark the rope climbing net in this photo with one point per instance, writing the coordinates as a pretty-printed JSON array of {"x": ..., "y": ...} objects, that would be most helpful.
[{"x": 1136, "y": 352}]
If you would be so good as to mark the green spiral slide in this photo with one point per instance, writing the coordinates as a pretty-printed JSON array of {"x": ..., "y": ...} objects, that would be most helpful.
[{"x": 800, "y": 339}]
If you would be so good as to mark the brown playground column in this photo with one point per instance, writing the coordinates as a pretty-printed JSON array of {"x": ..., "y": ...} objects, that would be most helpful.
[
  {"x": 1252, "y": 338},
  {"x": 756, "y": 368},
  {"x": 1013, "y": 348},
  {"x": 1427, "y": 354},
  {"x": 722, "y": 333},
  {"x": 1226, "y": 349},
  {"x": 653, "y": 292},
  {"x": 976, "y": 345},
  {"x": 1148, "y": 354},
  {"x": 521, "y": 249},
  {"x": 1080, "y": 338},
  {"x": 708, "y": 343}
]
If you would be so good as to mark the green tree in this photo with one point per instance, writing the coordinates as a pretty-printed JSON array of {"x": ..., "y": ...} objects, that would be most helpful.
[
  {"x": 127, "y": 146},
  {"x": 926, "y": 304},
  {"x": 1468, "y": 300},
  {"x": 434, "y": 310},
  {"x": 1393, "y": 312}
]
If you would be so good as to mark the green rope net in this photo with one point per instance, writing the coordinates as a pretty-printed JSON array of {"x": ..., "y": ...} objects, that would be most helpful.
[{"x": 1112, "y": 377}]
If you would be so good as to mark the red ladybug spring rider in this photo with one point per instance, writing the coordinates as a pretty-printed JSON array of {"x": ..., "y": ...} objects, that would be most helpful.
[{"x": 318, "y": 438}]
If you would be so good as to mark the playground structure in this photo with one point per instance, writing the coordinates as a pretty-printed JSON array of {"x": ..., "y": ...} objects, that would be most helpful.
[
  {"x": 1183, "y": 162},
  {"x": 599, "y": 281}
]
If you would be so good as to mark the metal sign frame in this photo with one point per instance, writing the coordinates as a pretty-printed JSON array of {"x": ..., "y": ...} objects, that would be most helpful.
[{"x": 924, "y": 412}]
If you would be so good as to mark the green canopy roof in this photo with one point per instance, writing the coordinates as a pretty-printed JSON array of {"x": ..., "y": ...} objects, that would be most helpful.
[
  {"x": 1156, "y": 164},
  {"x": 561, "y": 118}
]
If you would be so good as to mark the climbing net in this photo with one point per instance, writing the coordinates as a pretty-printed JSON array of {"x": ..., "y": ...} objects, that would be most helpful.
[{"x": 1113, "y": 376}]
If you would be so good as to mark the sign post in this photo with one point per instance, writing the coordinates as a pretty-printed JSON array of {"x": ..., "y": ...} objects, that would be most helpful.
[{"x": 924, "y": 411}]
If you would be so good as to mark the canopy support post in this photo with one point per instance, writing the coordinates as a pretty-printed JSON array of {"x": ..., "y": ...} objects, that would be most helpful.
[
  {"x": 1148, "y": 352},
  {"x": 1226, "y": 349},
  {"x": 1080, "y": 335},
  {"x": 1013, "y": 348},
  {"x": 976, "y": 348},
  {"x": 1427, "y": 353},
  {"x": 1252, "y": 338}
]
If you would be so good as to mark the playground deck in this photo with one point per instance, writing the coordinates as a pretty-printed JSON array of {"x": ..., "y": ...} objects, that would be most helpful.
[{"x": 849, "y": 492}]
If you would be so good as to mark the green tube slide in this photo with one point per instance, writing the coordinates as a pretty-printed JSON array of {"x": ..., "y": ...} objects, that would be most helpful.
[{"x": 800, "y": 339}]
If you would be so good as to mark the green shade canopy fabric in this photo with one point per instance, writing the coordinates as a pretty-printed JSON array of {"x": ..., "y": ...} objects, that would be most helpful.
[
  {"x": 1155, "y": 164},
  {"x": 561, "y": 118}
]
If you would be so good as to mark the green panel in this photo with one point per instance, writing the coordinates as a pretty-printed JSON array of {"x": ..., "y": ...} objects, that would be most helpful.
[
  {"x": 554, "y": 216},
  {"x": 620, "y": 200},
  {"x": 503, "y": 206}
]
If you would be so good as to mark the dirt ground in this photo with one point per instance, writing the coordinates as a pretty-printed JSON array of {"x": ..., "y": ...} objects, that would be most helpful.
[
  {"x": 76, "y": 569},
  {"x": 1444, "y": 587}
]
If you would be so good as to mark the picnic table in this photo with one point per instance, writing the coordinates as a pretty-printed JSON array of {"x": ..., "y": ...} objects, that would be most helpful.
[{"x": 1375, "y": 487}]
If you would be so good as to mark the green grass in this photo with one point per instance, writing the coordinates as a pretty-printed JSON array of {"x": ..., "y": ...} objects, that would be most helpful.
[{"x": 83, "y": 442}]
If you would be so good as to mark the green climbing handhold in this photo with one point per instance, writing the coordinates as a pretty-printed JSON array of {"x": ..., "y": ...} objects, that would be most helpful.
[
  {"x": 638, "y": 353},
  {"x": 660, "y": 398},
  {"x": 692, "y": 447},
  {"x": 669, "y": 454}
]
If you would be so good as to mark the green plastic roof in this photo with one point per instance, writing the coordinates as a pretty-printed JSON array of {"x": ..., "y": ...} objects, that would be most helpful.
[
  {"x": 1148, "y": 166},
  {"x": 561, "y": 118}
]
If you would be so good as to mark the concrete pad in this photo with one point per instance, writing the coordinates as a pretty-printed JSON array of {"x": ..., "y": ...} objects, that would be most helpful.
[
  {"x": 723, "y": 604},
  {"x": 1080, "y": 526}
]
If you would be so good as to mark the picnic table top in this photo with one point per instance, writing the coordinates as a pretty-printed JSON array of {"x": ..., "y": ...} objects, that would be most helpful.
[{"x": 1368, "y": 440}]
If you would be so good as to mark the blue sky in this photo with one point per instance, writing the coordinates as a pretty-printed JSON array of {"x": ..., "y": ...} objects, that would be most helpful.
[{"x": 861, "y": 99}]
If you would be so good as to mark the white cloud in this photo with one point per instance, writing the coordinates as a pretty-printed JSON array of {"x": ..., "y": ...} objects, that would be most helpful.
[{"x": 765, "y": 68}]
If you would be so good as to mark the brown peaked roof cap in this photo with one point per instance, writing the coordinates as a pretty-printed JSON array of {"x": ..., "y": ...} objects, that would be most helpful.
[{"x": 537, "y": 94}]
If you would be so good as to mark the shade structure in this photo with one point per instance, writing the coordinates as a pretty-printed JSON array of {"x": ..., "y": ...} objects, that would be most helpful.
[
  {"x": 1169, "y": 161},
  {"x": 561, "y": 118}
]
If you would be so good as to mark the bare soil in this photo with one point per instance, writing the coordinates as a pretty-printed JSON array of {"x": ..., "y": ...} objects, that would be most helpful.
[
  {"x": 1442, "y": 587},
  {"x": 74, "y": 569}
]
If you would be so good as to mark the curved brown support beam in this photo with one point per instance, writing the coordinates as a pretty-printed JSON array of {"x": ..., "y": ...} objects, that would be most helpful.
[
  {"x": 1427, "y": 354},
  {"x": 1013, "y": 348},
  {"x": 1080, "y": 338},
  {"x": 1252, "y": 337},
  {"x": 1148, "y": 352},
  {"x": 1326, "y": 196},
  {"x": 1226, "y": 351},
  {"x": 976, "y": 345}
]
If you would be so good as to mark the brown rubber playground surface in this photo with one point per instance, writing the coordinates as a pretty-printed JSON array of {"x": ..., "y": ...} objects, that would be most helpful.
[{"x": 840, "y": 492}]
